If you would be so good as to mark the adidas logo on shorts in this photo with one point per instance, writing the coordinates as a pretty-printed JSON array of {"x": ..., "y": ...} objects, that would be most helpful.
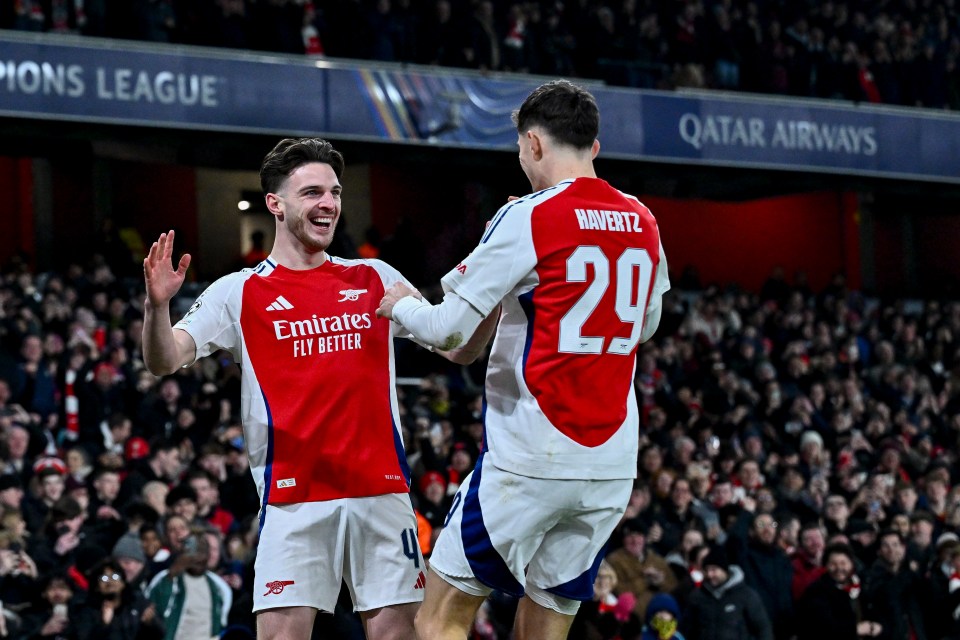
[{"x": 421, "y": 581}]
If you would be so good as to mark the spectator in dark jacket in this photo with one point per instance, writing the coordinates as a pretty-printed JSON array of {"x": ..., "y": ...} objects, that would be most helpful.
[
  {"x": 766, "y": 567},
  {"x": 830, "y": 608},
  {"x": 890, "y": 590},
  {"x": 724, "y": 607}
]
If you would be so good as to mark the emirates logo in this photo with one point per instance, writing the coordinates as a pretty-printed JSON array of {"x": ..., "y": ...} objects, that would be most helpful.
[{"x": 276, "y": 587}]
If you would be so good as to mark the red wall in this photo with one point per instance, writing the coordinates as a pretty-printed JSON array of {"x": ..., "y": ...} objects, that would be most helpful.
[
  {"x": 743, "y": 241},
  {"x": 155, "y": 198},
  {"x": 16, "y": 212}
]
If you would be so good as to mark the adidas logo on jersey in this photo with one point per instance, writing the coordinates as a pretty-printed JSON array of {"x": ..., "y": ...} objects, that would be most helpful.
[
  {"x": 280, "y": 304},
  {"x": 350, "y": 295},
  {"x": 421, "y": 581}
]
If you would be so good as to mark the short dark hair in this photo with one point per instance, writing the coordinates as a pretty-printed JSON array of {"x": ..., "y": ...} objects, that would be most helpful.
[
  {"x": 841, "y": 549},
  {"x": 291, "y": 153},
  {"x": 567, "y": 112}
]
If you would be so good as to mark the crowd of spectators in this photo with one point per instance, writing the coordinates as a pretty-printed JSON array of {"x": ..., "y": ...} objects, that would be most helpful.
[
  {"x": 775, "y": 424},
  {"x": 901, "y": 52}
]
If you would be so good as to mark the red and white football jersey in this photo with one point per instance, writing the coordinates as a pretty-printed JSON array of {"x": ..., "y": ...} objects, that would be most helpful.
[
  {"x": 577, "y": 266},
  {"x": 319, "y": 403}
]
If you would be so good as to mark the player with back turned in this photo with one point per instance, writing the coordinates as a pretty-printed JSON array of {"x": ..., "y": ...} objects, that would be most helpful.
[{"x": 579, "y": 272}]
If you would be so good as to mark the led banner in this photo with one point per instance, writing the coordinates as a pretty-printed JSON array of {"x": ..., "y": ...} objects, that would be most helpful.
[{"x": 117, "y": 82}]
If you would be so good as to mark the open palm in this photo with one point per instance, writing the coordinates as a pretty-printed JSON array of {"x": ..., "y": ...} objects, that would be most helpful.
[{"x": 161, "y": 279}]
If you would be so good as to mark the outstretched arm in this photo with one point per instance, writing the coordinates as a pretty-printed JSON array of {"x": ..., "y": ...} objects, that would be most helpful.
[
  {"x": 454, "y": 327},
  {"x": 164, "y": 350}
]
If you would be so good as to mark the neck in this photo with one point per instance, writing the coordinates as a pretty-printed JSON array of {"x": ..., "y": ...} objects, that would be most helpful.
[
  {"x": 567, "y": 169},
  {"x": 293, "y": 255}
]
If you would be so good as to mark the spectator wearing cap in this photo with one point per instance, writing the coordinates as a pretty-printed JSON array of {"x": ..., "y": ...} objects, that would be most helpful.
[
  {"x": 11, "y": 491},
  {"x": 432, "y": 499},
  {"x": 209, "y": 510},
  {"x": 831, "y": 609},
  {"x": 662, "y": 619},
  {"x": 130, "y": 556},
  {"x": 890, "y": 590},
  {"x": 724, "y": 607},
  {"x": 920, "y": 548},
  {"x": 163, "y": 464},
  {"x": 766, "y": 568},
  {"x": 935, "y": 594},
  {"x": 100, "y": 396},
  {"x": 944, "y": 610},
  {"x": 640, "y": 570},
  {"x": 862, "y": 536}
]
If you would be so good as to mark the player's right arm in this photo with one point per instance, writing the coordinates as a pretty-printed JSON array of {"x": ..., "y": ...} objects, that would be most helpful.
[{"x": 164, "y": 349}]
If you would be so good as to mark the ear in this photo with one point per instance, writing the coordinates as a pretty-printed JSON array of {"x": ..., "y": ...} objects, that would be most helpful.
[
  {"x": 274, "y": 206},
  {"x": 595, "y": 149},
  {"x": 536, "y": 145}
]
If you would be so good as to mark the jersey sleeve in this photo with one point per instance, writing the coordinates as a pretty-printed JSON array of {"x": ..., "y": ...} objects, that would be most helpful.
[
  {"x": 503, "y": 258},
  {"x": 661, "y": 281},
  {"x": 210, "y": 321}
]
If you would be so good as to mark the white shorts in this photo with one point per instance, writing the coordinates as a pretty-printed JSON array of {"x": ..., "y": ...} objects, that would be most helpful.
[
  {"x": 307, "y": 549},
  {"x": 515, "y": 533}
]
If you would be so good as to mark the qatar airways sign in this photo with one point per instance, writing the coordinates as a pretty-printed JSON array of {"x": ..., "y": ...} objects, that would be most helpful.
[{"x": 804, "y": 135}]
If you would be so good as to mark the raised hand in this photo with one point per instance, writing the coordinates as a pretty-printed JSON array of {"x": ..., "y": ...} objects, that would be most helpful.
[{"x": 161, "y": 279}]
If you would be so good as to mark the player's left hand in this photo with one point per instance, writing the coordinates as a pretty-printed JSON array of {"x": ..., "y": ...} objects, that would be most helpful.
[{"x": 392, "y": 296}]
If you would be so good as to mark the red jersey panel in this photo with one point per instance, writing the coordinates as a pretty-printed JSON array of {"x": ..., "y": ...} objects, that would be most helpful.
[
  {"x": 319, "y": 402},
  {"x": 596, "y": 255}
]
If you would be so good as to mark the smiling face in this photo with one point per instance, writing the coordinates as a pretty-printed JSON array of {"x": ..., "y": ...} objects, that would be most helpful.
[{"x": 307, "y": 206}]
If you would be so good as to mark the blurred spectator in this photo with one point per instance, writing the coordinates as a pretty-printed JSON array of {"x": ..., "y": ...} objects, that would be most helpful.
[
  {"x": 766, "y": 568},
  {"x": 831, "y": 609},
  {"x": 891, "y": 591},
  {"x": 113, "y": 610},
  {"x": 640, "y": 571},
  {"x": 662, "y": 619},
  {"x": 192, "y": 601},
  {"x": 724, "y": 607},
  {"x": 607, "y": 615}
]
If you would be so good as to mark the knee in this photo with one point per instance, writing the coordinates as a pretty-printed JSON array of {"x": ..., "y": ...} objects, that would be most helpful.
[
  {"x": 429, "y": 627},
  {"x": 422, "y": 626}
]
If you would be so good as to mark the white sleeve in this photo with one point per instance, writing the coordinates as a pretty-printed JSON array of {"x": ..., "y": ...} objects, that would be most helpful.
[
  {"x": 445, "y": 326},
  {"x": 210, "y": 322},
  {"x": 661, "y": 284},
  {"x": 504, "y": 257}
]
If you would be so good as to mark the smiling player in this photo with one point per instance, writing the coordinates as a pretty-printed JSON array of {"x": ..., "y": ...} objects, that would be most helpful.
[{"x": 319, "y": 403}]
